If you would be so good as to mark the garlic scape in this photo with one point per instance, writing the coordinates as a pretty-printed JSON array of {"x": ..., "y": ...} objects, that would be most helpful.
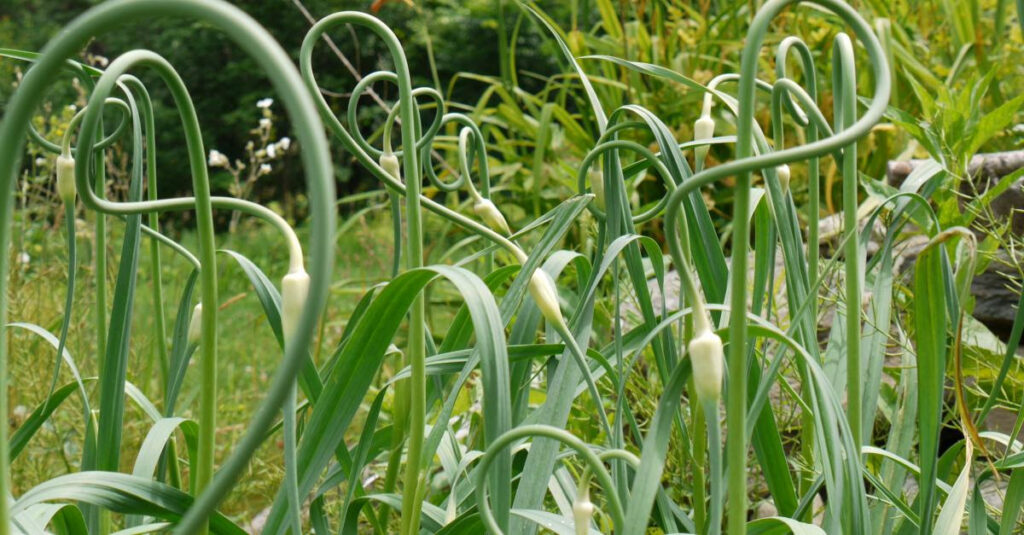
[
  {"x": 66, "y": 178},
  {"x": 482, "y": 207}
]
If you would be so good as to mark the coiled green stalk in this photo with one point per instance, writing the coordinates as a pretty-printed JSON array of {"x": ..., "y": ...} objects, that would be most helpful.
[
  {"x": 271, "y": 57},
  {"x": 741, "y": 168}
]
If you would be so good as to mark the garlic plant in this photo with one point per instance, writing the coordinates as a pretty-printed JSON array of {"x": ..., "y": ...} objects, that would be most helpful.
[
  {"x": 507, "y": 464},
  {"x": 209, "y": 490}
]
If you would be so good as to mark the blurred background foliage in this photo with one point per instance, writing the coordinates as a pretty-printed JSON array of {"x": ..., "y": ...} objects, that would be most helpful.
[
  {"x": 461, "y": 35},
  {"x": 494, "y": 62}
]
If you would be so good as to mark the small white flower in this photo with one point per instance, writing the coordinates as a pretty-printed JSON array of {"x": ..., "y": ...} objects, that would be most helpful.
[
  {"x": 24, "y": 258},
  {"x": 72, "y": 107},
  {"x": 20, "y": 413},
  {"x": 217, "y": 159},
  {"x": 272, "y": 151},
  {"x": 40, "y": 161},
  {"x": 264, "y": 103},
  {"x": 264, "y": 123},
  {"x": 284, "y": 143},
  {"x": 265, "y": 169}
]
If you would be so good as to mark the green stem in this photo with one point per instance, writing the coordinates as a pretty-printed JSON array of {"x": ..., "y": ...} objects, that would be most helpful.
[
  {"x": 700, "y": 505},
  {"x": 203, "y": 469},
  {"x": 581, "y": 360},
  {"x": 592, "y": 460},
  {"x": 811, "y": 126},
  {"x": 844, "y": 83},
  {"x": 159, "y": 321},
  {"x": 415, "y": 351},
  {"x": 714, "y": 428}
]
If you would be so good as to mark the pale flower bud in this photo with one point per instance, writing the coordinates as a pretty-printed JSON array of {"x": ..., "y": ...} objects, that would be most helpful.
[
  {"x": 264, "y": 103},
  {"x": 390, "y": 163},
  {"x": 543, "y": 291},
  {"x": 490, "y": 214},
  {"x": 66, "y": 178},
  {"x": 272, "y": 151},
  {"x": 782, "y": 172},
  {"x": 582, "y": 512},
  {"x": 294, "y": 290},
  {"x": 703, "y": 128},
  {"x": 284, "y": 143},
  {"x": 706, "y": 354},
  {"x": 195, "y": 328},
  {"x": 217, "y": 159}
]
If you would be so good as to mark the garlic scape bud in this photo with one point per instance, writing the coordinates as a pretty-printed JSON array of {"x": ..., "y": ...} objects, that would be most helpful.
[
  {"x": 783, "y": 173},
  {"x": 706, "y": 353},
  {"x": 703, "y": 128},
  {"x": 66, "y": 178},
  {"x": 389, "y": 162},
  {"x": 544, "y": 293},
  {"x": 294, "y": 291},
  {"x": 489, "y": 214},
  {"x": 582, "y": 512},
  {"x": 195, "y": 325}
]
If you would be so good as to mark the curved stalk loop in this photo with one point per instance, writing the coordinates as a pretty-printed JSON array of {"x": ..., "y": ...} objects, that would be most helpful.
[
  {"x": 255, "y": 41},
  {"x": 740, "y": 169}
]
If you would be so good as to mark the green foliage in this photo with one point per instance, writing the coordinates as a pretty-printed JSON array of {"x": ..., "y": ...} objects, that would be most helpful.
[{"x": 523, "y": 373}]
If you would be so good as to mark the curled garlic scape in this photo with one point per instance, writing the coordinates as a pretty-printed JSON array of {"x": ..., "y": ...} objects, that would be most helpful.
[{"x": 483, "y": 208}]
